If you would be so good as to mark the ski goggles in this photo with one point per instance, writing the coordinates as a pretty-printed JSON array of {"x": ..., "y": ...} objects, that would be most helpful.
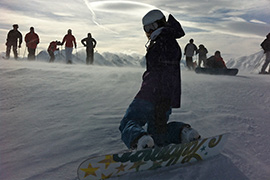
[{"x": 150, "y": 27}]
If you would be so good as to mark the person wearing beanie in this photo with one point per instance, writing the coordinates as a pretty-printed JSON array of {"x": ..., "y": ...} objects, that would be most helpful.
[
  {"x": 189, "y": 51},
  {"x": 12, "y": 41},
  {"x": 90, "y": 43},
  {"x": 69, "y": 40},
  {"x": 31, "y": 40}
]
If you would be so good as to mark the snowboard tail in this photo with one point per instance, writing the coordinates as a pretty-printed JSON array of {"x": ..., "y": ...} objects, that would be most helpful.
[{"x": 112, "y": 165}]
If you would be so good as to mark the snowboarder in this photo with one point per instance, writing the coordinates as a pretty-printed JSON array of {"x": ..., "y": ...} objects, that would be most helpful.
[
  {"x": 202, "y": 51},
  {"x": 160, "y": 90},
  {"x": 12, "y": 40},
  {"x": 52, "y": 48},
  {"x": 69, "y": 39},
  {"x": 90, "y": 43},
  {"x": 216, "y": 61},
  {"x": 32, "y": 40},
  {"x": 266, "y": 47},
  {"x": 189, "y": 51}
]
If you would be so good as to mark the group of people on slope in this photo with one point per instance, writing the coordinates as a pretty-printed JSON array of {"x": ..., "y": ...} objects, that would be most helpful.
[
  {"x": 215, "y": 61},
  {"x": 32, "y": 40},
  {"x": 69, "y": 40}
]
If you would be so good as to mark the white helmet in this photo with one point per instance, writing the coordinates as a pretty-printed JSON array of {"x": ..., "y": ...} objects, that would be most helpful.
[{"x": 153, "y": 20}]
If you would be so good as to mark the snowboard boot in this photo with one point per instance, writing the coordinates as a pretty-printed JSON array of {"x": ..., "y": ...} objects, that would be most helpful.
[
  {"x": 189, "y": 134},
  {"x": 144, "y": 142}
]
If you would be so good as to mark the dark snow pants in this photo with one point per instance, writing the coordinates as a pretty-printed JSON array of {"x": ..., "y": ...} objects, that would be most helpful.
[
  {"x": 52, "y": 56},
  {"x": 89, "y": 55},
  {"x": 189, "y": 62},
  {"x": 31, "y": 54},
  {"x": 14, "y": 48}
]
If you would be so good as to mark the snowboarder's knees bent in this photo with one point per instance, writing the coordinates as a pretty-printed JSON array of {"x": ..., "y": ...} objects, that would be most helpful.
[
  {"x": 141, "y": 112},
  {"x": 137, "y": 115}
]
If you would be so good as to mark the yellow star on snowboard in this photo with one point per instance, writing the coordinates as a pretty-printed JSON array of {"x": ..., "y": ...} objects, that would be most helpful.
[
  {"x": 90, "y": 171},
  {"x": 107, "y": 161}
]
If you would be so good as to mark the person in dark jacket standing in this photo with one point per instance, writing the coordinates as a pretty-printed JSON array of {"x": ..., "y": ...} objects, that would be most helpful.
[
  {"x": 189, "y": 51},
  {"x": 12, "y": 41},
  {"x": 160, "y": 90},
  {"x": 90, "y": 43},
  {"x": 31, "y": 40},
  {"x": 202, "y": 51},
  {"x": 266, "y": 47}
]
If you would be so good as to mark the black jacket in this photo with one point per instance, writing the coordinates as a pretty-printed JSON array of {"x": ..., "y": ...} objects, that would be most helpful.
[{"x": 13, "y": 36}]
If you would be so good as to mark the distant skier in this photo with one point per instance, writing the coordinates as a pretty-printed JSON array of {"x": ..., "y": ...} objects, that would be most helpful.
[
  {"x": 160, "y": 90},
  {"x": 32, "y": 40},
  {"x": 69, "y": 39},
  {"x": 202, "y": 51},
  {"x": 90, "y": 43},
  {"x": 266, "y": 47},
  {"x": 190, "y": 49},
  {"x": 52, "y": 48},
  {"x": 12, "y": 41},
  {"x": 216, "y": 61}
]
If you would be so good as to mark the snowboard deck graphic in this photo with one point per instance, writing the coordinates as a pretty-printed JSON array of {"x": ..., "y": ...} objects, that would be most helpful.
[
  {"x": 216, "y": 71},
  {"x": 112, "y": 165}
]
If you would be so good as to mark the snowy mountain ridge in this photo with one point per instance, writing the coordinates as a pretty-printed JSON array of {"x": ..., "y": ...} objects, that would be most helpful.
[
  {"x": 101, "y": 59},
  {"x": 250, "y": 63}
]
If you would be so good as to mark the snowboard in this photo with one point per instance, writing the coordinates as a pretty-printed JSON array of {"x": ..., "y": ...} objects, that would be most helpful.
[
  {"x": 216, "y": 71},
  {"x": 113, "y": 165}
]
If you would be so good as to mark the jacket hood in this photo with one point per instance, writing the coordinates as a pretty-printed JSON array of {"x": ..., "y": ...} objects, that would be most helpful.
[{"x": 172, "y": 28}]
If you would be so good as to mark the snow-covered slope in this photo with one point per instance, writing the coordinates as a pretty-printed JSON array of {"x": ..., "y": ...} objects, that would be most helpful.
[{"x": 53, "y": 116}]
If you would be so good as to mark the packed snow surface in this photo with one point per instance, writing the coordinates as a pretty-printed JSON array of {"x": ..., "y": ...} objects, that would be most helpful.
[{"x": 53, "y": 116}]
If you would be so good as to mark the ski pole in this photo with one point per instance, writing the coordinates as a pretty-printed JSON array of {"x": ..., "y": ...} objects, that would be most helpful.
[
  {"x": 76, "y": 53},
  {"x": 19, "y": 51},
  {"x": 37, "y": 53},
  {"x": 197, "y": 59},
  {"x": 24, "y": 52}
]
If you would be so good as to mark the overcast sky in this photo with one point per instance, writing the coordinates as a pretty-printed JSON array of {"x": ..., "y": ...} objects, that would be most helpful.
[{"x": 235, "y": 27}]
